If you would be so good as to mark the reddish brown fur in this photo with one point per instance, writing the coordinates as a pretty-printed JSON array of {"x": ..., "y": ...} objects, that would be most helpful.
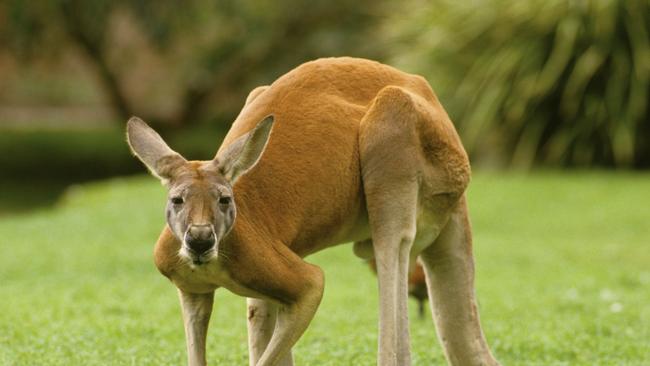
[{"x": 337, "y": 92}]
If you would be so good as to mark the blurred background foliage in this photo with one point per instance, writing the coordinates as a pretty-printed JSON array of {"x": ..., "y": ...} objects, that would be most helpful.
[
  {"x": 528, "y": 83},
  {"x": 552, "y": 82},
  {"x": 174, "y": 64}
]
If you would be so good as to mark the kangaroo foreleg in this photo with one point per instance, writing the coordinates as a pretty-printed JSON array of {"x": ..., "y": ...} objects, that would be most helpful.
[
  {"x": 262, "y": 315},
  {"x": 196, "y": 316},
  {"x": 294, "y": 317}
]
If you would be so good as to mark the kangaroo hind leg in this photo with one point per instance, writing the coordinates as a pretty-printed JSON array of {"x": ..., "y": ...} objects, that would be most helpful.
[
  {"x": 449, "y": 268},
  {"x": 390, "y": 169}
]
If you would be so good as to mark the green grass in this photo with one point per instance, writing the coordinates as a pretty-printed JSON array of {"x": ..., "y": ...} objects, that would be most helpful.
[{"x": 563, "y": 278}]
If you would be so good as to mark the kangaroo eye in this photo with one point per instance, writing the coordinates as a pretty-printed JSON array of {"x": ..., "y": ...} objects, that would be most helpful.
[
  {"x": 177, "y": 200},
  {"x": 224, "y": 200}
]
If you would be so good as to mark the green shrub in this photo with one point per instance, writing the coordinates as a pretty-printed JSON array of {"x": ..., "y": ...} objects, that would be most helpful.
[{"x": 537, "y": 82}]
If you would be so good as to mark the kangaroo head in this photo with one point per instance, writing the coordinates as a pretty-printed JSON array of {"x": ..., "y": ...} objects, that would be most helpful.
[{"x": 201, "y": 208}]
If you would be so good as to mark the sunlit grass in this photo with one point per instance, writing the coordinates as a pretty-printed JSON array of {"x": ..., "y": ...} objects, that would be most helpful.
[{"x": 563, "y": 278}]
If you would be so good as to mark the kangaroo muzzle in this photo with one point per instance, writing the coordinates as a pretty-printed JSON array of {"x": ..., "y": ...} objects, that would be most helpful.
[{"x": 200, "y": 238}]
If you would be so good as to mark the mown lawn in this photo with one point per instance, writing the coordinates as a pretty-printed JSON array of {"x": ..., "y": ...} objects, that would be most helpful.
[{"x": 563, "y": 278}]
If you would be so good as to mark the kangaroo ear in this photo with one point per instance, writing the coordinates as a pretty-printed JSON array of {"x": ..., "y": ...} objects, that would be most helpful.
[
  {"x": 243, "y": 153},
  {"x": 150, "y": 148}
]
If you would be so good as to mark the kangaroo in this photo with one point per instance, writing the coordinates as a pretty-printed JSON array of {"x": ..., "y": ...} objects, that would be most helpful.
[{"x": 337, "y": 150}]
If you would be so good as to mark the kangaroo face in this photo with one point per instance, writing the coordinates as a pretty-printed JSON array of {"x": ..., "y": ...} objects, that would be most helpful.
[{"x": 201, "y": 209}]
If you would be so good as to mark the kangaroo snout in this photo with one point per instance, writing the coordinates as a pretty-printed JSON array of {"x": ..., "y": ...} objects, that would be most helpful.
[{"x": 200, "y": 238}]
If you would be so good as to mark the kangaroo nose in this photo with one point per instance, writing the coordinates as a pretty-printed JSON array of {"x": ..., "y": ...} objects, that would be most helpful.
[{"x": 200, "y": 238}]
